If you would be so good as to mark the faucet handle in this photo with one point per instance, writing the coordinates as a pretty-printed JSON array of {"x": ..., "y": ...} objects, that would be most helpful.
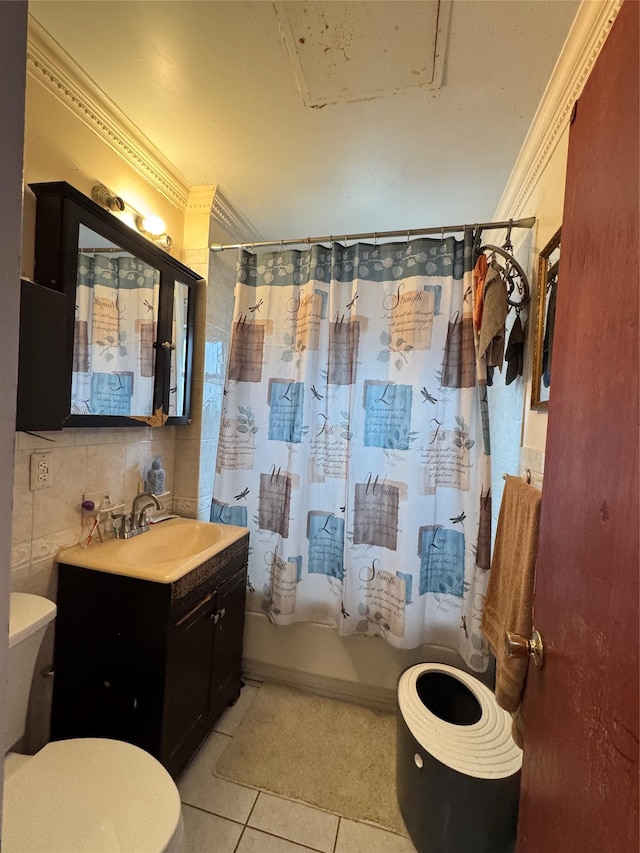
[{"x": 124, "y": 527}]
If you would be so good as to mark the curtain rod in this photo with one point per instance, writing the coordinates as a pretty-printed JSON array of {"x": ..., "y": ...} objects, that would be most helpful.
[{"x": 409, "y": 232}]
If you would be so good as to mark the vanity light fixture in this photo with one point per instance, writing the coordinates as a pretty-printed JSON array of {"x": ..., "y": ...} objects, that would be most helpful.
[
  {"x": 153, "y": 228},
  {"x": 106, "y": 198}
]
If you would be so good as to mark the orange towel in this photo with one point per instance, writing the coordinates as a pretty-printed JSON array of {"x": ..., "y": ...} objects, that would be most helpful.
[{"x": 509, "y": 602}]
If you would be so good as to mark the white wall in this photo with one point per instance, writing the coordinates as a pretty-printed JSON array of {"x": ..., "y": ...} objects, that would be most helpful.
[
  {"x": 518, "y": 432},
  {"x": 13, "y": 42}
]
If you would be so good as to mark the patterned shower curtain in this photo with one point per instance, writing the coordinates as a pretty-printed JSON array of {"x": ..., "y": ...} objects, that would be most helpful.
[
  {"x": 115, "y": 327},
  {"x": 354, "y": 441}
]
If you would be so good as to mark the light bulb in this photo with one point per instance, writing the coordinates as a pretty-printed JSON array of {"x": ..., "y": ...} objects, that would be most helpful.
[{"x": 153, "y": 225}]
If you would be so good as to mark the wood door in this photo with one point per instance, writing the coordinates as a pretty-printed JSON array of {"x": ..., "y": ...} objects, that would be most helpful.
[{"x": 580, "y": 771}]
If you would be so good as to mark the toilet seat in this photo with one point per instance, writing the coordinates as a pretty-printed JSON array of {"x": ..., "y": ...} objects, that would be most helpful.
[{"x": 91, "y": 794}]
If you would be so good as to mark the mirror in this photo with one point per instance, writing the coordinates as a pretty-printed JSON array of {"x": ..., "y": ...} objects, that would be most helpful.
[
  {"x": 127, "y": 343},
  {"x": 116, "y": 318},
  {"x": 178, "y": 376},
  {"x": 548, "y": 269}
]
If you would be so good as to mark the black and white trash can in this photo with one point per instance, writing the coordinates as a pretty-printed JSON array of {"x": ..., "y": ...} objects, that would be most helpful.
[{"x": 458, "y": 767}]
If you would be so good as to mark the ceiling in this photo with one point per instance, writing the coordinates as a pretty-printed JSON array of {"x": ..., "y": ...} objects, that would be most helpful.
[{"x": 326, "y": 117}]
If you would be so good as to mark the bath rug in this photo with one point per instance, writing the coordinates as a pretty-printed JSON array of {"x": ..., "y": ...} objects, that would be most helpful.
[{"x": 327, "y": 753}]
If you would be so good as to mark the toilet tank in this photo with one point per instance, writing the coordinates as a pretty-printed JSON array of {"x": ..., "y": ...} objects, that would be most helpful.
[{"x": 29, "y": 616}]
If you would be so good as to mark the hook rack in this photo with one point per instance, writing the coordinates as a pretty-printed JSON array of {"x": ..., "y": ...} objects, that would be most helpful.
[{"x": 512, "y": 274}]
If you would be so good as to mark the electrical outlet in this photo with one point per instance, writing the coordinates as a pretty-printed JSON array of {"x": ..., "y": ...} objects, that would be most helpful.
[{"x": 40, "y": 471}]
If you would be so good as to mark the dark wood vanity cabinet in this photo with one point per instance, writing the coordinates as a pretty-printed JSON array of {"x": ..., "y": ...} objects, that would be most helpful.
[{"x": 150, "y": 663}]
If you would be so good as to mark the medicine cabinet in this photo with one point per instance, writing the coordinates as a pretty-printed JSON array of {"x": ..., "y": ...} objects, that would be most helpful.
[{"x": 127, "y": 337}]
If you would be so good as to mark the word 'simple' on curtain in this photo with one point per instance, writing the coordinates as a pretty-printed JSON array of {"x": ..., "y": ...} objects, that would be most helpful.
[
  {"x": 354, "y": 441},
  {"x": 115, "y": 329}
]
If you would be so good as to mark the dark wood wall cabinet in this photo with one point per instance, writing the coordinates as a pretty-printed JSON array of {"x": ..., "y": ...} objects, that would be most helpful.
[
  {"x": 149, "y": 663},
  {"x": 125, "y": 337}
]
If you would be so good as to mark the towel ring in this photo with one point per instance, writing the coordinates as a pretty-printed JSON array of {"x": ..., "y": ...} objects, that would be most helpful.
[
  {"x": 526, "y": 475},
  {"x": 513, "y": 276}
]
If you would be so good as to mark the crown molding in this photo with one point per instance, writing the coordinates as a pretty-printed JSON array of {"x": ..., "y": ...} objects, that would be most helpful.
[
  {"x": 53, "y": 68},
  {"x": 589, "y": 30},
  {"x": 201, "y": 200},
  {"x": 231, "y": 219}
]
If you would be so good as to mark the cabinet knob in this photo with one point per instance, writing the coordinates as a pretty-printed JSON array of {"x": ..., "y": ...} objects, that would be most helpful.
[{"x": 167, "y": 345}]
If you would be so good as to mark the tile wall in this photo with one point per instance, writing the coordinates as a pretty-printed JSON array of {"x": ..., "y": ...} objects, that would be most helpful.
[{"x": 81, "y": 460}]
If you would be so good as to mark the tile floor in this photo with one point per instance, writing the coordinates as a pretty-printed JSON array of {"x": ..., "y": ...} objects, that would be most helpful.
[{"x": 223, "y": 817}]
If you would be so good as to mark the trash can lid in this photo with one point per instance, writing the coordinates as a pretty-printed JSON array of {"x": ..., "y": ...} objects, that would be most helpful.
[{"x": 484, "y": 749}]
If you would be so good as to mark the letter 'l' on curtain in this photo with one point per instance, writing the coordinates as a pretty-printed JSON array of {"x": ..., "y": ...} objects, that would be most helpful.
[{"x": 354, "y": 441}]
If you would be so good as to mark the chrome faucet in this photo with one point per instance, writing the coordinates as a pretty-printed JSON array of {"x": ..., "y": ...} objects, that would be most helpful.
[{"x": 138, "y": 521}]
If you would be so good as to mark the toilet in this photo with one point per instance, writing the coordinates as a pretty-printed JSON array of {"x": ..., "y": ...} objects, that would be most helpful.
[{"x": 82, "y": 794}]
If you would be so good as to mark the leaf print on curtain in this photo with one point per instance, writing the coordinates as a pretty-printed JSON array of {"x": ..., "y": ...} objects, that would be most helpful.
[{"x": 354, "y": 441}]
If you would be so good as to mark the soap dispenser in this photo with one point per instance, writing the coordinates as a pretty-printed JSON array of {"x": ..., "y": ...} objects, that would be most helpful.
[{"x": 156, "y": 477}]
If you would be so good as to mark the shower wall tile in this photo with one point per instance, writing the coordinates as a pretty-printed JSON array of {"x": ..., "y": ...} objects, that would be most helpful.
[
  {"x": 220, "y": 293},
  {"x": 216, "y": 354},
  {"x": 192, "y": 430},
  {"x": 208, "y": 452},
  {"x": 204, "y": 508},
  {"x": 213, "y": 396}
]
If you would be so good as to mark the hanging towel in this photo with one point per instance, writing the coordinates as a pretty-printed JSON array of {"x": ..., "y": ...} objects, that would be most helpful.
[
  {"x": 514, "y": 354},
  {"x": 510, "y": 591},
  {"x": 479, "y": 275},
  {"x": 494, "y": 314}
]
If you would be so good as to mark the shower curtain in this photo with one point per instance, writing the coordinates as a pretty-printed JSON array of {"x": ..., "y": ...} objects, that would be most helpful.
[
  {"x": 115, "y": 328},
  {"x": 354, "y": 441}
]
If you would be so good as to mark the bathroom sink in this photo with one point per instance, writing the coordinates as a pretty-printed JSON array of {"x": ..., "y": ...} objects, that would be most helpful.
[{"x": 167, "y": 552}]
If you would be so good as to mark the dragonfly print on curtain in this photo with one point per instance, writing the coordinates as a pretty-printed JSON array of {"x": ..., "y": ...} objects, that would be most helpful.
[{"x": 354, "y": 441}]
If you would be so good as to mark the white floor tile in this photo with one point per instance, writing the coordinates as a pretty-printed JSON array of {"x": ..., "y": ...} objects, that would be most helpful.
[
  {"x": 295, "y": 821},
  {"x": 199, "y": 787},
  {"x": 356, "y": 837},
  {"x": 253, "y": 841},
  {"x": 232, "y": 717},
  {"x": 206, "y": 832}
]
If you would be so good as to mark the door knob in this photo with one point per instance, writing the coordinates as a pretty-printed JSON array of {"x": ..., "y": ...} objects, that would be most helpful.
[{"x": 518, "y": 646}]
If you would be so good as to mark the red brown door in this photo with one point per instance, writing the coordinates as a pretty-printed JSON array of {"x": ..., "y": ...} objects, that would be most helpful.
[{"x": 580, "y": 772}]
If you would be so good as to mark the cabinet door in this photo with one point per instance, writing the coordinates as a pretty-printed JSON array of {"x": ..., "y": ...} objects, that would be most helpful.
[
  {"x": 188, "y": 680},
  {"x": 229, "y": 629}
]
